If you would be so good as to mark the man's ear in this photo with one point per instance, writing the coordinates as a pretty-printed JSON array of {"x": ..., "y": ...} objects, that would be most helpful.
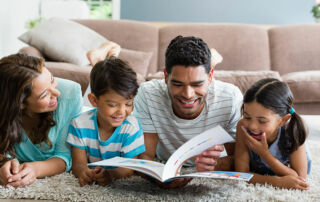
[
  {"x": 92, "y": 99},
  {"x": 285, "y": 119},
  {"x": 211, "y": 74},
  {"x": 165, "y": 75}
]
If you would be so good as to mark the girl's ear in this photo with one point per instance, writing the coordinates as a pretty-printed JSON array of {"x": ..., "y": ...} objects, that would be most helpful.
[
  {"x": 92, "y": 99},
  {"x": 285, "y": 119}
]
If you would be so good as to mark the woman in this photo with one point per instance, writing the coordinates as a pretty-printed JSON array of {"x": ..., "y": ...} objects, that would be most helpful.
[{"x": 35, "y": 112}]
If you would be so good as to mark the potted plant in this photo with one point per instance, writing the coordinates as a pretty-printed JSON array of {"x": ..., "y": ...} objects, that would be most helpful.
[{"x": 316, "y": 10}]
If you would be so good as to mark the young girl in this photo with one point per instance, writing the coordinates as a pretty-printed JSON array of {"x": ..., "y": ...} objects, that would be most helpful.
[
  {"x": 271, "y": 136},
  {"x": 35, "y": 112}
]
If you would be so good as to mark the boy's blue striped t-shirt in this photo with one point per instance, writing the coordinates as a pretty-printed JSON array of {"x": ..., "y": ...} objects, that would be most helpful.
[{"x": 126, "y": 141}]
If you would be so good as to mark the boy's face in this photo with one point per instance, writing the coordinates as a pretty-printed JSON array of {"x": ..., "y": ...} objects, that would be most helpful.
[
  {"x": 113, "y": 109},
  {"x": 188, "y": 88}
]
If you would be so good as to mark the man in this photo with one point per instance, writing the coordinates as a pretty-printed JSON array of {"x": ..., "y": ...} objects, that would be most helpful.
[{"x": 187, "y": 102}]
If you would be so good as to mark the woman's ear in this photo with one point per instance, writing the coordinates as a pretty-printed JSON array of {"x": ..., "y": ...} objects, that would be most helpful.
[
  {"x": 285, "y": 119},
  {"x": 92, "y": 99}
]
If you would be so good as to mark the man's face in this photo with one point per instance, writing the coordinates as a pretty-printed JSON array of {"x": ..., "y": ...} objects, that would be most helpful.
[{"x": 188, "y": 88}]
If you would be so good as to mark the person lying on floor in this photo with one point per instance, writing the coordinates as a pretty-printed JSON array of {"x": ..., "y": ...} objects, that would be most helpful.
[
  {"x": 109, "y": 129},
  {"x": 271, "y": 137},
  {"x": 35, "y": 113}
]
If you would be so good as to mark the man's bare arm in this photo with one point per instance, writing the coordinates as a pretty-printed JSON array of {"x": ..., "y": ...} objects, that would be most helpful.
[{"x": 150, "y": 142}]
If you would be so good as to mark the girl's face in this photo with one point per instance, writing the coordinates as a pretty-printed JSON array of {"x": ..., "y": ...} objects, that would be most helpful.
[
  {"x": 113, "y": 109},
  {"x": 258, "y": 119},
  {"x": 44, "y": 94}
]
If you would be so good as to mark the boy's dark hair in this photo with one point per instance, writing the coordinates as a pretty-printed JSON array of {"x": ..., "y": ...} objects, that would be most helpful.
[
  {"x": 188, "y": 51},
  {"x": 113, "y": 74},
  {"x": 276, "y": 96}
]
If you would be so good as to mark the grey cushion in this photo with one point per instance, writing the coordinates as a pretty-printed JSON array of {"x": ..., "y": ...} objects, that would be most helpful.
[
  {"x": 63, "y": 40},
  {"x": 304, "y": 86}
]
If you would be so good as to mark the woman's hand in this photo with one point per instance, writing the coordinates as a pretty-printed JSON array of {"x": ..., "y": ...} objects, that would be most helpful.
[
  {"x": 292, "y": 182},
  {"x": 259, "y": 147},
  {"x": 207, "y": 160},
  {"x": 26, "y": 176},
  {"x": 8, "y": 169},
  {"x": 102, "y": 176}
]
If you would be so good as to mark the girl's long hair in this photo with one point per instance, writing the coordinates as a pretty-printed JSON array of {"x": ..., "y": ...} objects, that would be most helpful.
[
  {"x": 276, "y": 96},
  {"x": 17, "y": 73}
]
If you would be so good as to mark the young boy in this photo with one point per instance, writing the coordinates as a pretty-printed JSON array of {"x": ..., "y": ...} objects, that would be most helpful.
[{"x": 108, "y": 130}]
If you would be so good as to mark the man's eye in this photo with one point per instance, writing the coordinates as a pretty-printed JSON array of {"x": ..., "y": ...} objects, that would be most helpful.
[
  {"x": 197, "y": 85},
  {"x": 177, "y": 84},
  {"x": 247, "y": 118}
]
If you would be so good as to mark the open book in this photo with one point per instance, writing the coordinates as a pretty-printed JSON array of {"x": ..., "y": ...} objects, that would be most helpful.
[{"x": 170, "y": 170}]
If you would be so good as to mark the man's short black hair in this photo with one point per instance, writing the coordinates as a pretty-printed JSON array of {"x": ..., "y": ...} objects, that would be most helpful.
[
  {"x": 188, "y": 51},
  {"x": 113, "y": 74}
]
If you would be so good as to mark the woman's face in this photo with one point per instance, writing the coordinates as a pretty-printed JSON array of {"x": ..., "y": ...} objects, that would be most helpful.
[{"x": 44, "y": 94}]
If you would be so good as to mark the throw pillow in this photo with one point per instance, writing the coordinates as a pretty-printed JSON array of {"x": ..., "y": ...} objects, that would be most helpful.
[
  {"x": 138, "y": 60},
  {"x": 63, "y": 40},
  {"x": 244, "y": 79}
]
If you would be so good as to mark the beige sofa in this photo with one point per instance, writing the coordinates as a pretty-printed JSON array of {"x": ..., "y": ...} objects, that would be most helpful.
[{"x": 250, "y": 53}]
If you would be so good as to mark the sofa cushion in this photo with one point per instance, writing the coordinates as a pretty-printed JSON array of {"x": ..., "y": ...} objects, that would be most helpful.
[
  {"x": 242, "y": 79},
  {"x": 304, "y": 86},
  {"x": 138, "y": 60},
  {"x": 63, "y": 40}
]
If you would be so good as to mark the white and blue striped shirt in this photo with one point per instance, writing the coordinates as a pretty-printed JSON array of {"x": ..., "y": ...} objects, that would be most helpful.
[
  {"x": 126, "y": 141},
  {"x": 153, "y": 108}
]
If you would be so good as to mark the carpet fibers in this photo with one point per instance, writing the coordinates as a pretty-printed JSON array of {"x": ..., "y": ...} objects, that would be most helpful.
[{"x": 64, "y": 187}]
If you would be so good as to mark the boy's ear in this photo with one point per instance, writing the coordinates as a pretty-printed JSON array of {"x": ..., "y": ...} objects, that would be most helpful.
[
  {"x": 285, "y": 119},
  {"x": 165, "y": 75},
  {"x": 92, "y": 99}
]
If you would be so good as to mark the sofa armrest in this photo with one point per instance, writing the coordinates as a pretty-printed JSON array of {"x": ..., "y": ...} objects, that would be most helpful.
[{"x": 32, "y": 51}]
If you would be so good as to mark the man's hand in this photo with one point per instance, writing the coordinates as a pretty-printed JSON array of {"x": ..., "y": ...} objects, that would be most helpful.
[
  {"x": 207, "y": 160},
  {"x": 8, "y": 169}
]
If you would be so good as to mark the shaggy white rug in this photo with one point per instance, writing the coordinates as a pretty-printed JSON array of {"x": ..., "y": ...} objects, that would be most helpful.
[{"x": 65, "y": 187}]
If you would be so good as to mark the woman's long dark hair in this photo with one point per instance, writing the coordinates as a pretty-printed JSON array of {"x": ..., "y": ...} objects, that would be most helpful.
[
  {"x": 17, "y": 73},
  {"x": 276, "y": 96}
]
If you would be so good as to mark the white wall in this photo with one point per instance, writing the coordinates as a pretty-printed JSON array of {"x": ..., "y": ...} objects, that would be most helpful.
[
  {"x": 15, "y": 13},
  {"x": 13, "y": 16}
]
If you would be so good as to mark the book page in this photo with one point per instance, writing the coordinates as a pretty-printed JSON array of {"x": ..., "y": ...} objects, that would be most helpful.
[
  {"x": 220, "y": 175},
  {"x": 151, "y": 168},
  {"x": 193, "y": 147}
]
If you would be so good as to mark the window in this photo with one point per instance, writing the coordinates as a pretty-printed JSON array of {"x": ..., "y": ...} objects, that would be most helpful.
[{"x": 100, "y": 9}]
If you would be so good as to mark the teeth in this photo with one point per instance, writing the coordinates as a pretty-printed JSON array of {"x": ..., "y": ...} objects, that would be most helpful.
[{"x": 187, "y": 102}]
